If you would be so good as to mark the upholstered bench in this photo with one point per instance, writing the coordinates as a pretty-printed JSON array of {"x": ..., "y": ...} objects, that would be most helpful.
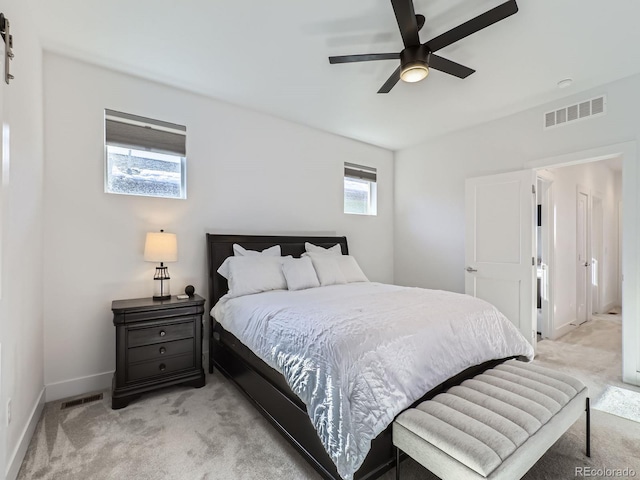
[{"x": 494, "y": 426}]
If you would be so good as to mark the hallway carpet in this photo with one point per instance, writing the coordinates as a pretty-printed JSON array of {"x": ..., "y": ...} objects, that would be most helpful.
[{"x": 214, "y": 432}]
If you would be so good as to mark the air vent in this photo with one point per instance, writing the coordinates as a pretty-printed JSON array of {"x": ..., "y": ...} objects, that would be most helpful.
[
  {"x": 571, "y": 113},
  {"x": 81, "y": 401}
]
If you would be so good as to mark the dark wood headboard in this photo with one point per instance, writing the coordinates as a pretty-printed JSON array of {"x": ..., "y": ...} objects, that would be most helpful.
[{"x": 219, "y": 247}]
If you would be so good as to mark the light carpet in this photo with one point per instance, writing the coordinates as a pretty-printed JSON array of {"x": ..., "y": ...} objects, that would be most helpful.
[{"x": 215, "y": 433}]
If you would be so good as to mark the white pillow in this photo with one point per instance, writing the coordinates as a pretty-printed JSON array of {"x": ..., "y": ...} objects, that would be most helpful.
[
  {"x": 253, "y": 274},
  {"x": 299, "y": 273},
  {"x": 243, "y": 252},
  {"x": 311, "y": 248},
  {"x": 350, "y": 269},
  {"x": 239, "y": 251},
  {"x": 327, "y": 268}
]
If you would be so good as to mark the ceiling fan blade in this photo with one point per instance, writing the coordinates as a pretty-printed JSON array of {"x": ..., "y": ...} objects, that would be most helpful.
[
  {"x": 407, "y": 22},
  {"x": 391, "y": 82},
  {"x": 472, "y": 26},
  {"x": 447, "y": 66},
  {"x": 367, "y": 57}
]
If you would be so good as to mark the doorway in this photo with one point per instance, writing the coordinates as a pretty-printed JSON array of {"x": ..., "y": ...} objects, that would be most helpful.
[{"x": 578, "y": 244}]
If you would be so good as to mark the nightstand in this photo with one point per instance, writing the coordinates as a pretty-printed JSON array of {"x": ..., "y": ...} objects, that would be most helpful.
[{"x": 158, "y": 343}]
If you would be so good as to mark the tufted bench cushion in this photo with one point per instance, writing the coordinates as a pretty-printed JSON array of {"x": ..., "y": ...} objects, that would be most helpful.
[{"x": 493, "y": 426}]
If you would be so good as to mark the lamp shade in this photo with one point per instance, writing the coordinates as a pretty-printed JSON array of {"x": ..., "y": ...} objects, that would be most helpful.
[{"x": 161, "y": 247}]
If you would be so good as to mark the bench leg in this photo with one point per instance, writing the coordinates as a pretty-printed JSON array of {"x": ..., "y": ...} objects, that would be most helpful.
[
  {"x": 588, "y": 427},
  {"x": 397, "y": 463}
]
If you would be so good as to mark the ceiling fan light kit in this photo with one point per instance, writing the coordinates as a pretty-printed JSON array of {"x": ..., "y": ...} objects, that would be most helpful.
[
  {"x": 414, "y": 72},
  {"x": 414, "y": 64},
  {"x": 417, "y": 59}
]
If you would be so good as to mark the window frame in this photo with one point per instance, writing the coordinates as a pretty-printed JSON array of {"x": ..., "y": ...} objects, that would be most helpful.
[
  {"x": 137, "y": 121},
  {"x": 361, "y": 173}
]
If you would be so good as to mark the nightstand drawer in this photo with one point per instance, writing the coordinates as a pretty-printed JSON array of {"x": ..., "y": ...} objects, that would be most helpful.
[
  {"x": 160, "y": 350},
  {"x": 158, "y": 314},
  {"x": 160, "y": 334},
  {"x": 159, "y": 367}
]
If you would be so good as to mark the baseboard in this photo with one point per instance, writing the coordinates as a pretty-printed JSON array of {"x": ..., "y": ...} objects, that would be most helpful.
[
  {"x": 562, "y": 330},
  {"x": 15, "y": 461},
  {"x": 609, "y": 306},
  {"x": 78, "y": 386}
]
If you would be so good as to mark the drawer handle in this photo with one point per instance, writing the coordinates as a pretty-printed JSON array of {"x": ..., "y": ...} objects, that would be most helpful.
[
  {"x": 163, "y": 350},
  {"x": 162, "y": 367},
  {"x": 162, "y": 333}
]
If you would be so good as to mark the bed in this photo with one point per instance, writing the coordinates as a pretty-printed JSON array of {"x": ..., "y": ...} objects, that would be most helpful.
[{"x": 267, "y": 388}]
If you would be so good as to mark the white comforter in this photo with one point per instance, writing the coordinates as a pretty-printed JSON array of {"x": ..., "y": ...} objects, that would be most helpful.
[{"x": 359, "y": 354}]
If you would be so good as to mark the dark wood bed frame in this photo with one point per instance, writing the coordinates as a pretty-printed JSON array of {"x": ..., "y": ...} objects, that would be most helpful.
[{"x": 267, "y": 389}]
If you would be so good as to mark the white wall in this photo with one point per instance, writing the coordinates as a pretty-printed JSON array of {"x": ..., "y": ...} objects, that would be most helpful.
[
  {"x": 21, "y": 305},
  {"x": 595, "y": 179},
  {"x": 429, "y": 178},
  {"x": 247, "y": 173}
]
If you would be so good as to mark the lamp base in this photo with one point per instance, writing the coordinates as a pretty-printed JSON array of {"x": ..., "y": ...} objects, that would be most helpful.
[{"x": 161, "y": 297}]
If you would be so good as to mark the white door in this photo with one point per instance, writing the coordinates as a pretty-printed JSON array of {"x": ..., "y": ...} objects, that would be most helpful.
[
  {"x": 582, "y": 261},
  {"x": 500, "y": 246}
]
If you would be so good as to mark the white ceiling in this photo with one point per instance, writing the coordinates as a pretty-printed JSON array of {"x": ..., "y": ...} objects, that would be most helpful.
[{"x": 271, "y": 56}]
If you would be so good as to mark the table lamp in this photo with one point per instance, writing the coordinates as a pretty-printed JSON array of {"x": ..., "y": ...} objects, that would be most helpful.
[{"x": 161, "y": 247}]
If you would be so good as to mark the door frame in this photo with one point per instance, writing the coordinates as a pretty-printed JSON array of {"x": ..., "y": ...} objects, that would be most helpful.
[
  {"x": 3, "y": 299},
  {"x": 597, "y": 249},
  {"x": 548, "y": 251},
  {"x": 631, "y": 246},
  {"x": 586, "y": 192}
]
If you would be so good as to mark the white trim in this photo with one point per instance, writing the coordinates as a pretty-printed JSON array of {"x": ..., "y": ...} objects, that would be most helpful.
[
  {"x": 548, "y": 251},
  {"x": 562, "y": 330},
  {"x": 630, "y": 270},
  {"x": 586, "y": 156},
  {"x": 16, "y": 458},
  {"x": 78, "y": 386}
]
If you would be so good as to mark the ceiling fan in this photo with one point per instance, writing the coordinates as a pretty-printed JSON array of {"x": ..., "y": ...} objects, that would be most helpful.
[{"x": 416, "y": 58}]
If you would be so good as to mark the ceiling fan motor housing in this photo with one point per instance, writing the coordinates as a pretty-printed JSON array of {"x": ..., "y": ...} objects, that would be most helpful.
[{"x": 412, "y": 56}]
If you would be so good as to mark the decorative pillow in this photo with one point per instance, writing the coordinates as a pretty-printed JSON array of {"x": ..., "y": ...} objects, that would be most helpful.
[
  {"x": 239, "y": 251},
  {"x": 327, "y": 268},
  {"x": 350, "y": 269},
  {"x": 253, "y": 274},
  {"x": 299, "y": 273},
  {"x": 311, "y": 248}
]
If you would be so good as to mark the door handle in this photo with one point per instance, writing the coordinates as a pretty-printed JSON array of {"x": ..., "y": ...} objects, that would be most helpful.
[
  {"x": 587, "y": 264},
  {"x": 471, "y": 270}
]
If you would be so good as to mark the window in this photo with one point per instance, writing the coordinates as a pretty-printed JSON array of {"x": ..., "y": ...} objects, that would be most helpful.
[
  {"x": 360, "y": 192},
  {"x": 144, "y": 156}
]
